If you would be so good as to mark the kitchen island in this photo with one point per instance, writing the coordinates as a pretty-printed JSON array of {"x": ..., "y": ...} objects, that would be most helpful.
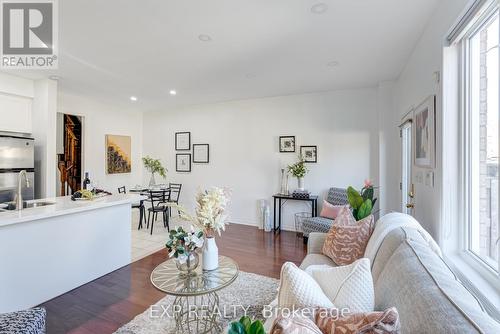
[{"x": 50, "y": 249}]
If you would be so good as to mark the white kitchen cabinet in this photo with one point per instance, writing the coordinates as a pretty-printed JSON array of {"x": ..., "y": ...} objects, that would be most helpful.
[{"x": 15, "y": 113}]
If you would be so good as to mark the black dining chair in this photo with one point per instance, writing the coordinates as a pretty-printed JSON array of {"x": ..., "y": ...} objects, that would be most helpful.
[
  {"x": 140, "y": 206},
  {"x": 175, "y": 193},
  {"x": 159, "y": 200}
]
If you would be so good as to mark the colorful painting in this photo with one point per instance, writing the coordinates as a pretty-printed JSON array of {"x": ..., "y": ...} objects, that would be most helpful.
[
  {"x": 118, "y": 154},
  {"x": 424, "y": 116}
]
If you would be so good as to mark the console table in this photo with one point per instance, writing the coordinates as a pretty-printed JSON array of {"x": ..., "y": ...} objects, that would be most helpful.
[{"x": 282, "y": 199}]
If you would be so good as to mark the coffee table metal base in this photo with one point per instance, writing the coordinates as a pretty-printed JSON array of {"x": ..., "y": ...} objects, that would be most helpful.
[{"x": 197, "y": 314}]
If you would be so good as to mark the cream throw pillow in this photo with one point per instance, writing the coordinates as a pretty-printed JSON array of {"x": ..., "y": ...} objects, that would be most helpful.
[
  {"x": 348, "y": 286},
  {"x": 298, "y": 289}
]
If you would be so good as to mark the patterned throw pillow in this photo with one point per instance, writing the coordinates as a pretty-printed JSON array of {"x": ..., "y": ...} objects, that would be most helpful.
[
  {"x": 386, "y": 322},
  {"x": 297, "y": 324},
  {"x": 347, "y": 239}
]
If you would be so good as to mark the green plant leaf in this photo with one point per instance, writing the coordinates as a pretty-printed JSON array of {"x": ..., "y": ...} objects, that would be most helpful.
[
  {"x": 354, "y": 198},
  {"x": 236, "y": 328},
  {"x": 256, "y": 328},
  {"x": 246, "y": 322},
  {"x": 365, "y": 209},
  {"x": 367, "y": 193}
]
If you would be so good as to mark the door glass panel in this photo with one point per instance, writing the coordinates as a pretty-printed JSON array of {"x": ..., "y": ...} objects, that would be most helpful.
[{"x": 406, "y": 167}]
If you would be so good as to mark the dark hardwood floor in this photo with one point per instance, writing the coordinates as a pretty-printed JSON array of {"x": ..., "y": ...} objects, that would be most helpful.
[{"x": 107, "y": 303}]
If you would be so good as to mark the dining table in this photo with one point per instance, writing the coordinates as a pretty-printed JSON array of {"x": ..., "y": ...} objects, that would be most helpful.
[{"x": 146, "y": 191}]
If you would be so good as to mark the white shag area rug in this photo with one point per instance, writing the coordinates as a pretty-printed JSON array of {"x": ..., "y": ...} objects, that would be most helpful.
[{"x": 248, "y": 292}]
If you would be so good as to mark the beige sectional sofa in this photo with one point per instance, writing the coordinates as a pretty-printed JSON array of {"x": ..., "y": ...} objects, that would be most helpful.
[{"x": 407, "y": 274}]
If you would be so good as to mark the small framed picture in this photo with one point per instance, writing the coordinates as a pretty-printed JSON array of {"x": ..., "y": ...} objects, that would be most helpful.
[
  {"x": 201, "y": 153},
  {"x": 183, "y": 162},
  {"x": 183, "y": 141},
  {"x": 287, "y": 144},
  {"x": 425, "y": 133},
  {"x": 309, "y": 153}
]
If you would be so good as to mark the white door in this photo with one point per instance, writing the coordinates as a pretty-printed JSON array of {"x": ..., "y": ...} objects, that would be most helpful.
[{"x": 407, "y": 187}]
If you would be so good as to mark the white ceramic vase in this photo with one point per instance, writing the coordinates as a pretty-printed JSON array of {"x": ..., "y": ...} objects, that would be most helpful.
[
  {"x": 300, "y": 181},
  {"x": 210, "y": 254}
]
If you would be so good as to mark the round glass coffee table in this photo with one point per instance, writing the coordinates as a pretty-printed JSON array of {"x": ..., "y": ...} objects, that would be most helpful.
[{"x": 196, "y": 303}]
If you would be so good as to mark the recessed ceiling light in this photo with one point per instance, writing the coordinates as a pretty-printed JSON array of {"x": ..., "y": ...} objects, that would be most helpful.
[
  {"x": 204, "y": 38},
  {"x": 133, "y": 98},
  {"x": 250, "y": 75},
  {"x": 54, "y": 77},
  {"x": 319, "y": 8},
  {"x": 173, "y": 92},
  {"x": 333, "y": 63}
]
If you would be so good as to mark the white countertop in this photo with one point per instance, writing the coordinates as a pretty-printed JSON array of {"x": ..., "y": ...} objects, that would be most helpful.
[{"x": 64, "y": 206}]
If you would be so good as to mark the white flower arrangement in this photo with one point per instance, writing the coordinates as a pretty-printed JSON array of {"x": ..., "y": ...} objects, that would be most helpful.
[
  {"x": 210, "y": 214},
  {"x": 181, "y": 243}
]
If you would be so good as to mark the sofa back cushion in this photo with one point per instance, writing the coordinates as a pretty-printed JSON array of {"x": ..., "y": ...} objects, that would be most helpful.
[
  {"x": 425, "y": 292},
  {"x": 388, "y": 246}
]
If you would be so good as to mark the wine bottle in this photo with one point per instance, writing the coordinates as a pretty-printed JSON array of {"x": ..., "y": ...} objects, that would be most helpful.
[{"x": 86, "y": 182}]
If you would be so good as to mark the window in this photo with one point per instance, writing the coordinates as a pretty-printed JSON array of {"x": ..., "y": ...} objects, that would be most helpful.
[{"x": 481, "y": 138}]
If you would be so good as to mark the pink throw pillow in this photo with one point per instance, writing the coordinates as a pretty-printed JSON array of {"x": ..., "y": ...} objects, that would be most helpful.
[{"x": 330, "y": 211}]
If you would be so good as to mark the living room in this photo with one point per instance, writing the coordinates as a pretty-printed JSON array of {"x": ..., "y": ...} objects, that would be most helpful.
[{"x": 276, "y": 135}]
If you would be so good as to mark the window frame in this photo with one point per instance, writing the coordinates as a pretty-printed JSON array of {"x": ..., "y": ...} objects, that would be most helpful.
[{"x": 484, "y": 268}]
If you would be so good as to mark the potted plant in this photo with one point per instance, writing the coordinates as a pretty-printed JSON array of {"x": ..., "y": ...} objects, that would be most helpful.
[
  {"x": 246, "y": 326},
  {"x": 182, "y": 246},
  {"x": 299, "y": 170},
  {"x": 154, "y": 166},
  {"x": 362, "y": 202},
  {"x": 210, "y": 215}
]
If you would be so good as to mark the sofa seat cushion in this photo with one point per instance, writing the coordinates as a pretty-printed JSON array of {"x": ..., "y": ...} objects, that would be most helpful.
[
  {"x": 426, "y": 293},
  {"x": 316, "y": 259},
  {"x": 30, "y": 321}
]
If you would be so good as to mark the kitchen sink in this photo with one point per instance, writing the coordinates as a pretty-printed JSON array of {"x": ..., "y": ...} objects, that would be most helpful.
[{"x": 26, "y": 205}]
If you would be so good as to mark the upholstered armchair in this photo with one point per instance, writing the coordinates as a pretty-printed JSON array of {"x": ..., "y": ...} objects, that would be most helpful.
[
  {"x": 336, "y": 196},
  {"x": 30, "y": 321}
]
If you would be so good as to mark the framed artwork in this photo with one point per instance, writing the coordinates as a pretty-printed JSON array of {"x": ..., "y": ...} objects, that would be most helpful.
[
  {"x": 287, "y": 144},
  {"x": 201, "y": 153},
  {"x": 118, "y": 154},
  {"x": 183, "y": 141},
  {"x": 425, "y": 133},
  {"x": 183, "y": 162},
  {"x": 309, "y": 153}
]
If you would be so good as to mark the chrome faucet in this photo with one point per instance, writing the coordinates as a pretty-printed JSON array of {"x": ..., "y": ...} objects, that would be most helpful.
[{"x": 19, "y": 195}]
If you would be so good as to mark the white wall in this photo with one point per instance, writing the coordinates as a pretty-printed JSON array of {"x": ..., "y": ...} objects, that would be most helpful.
[
  {"x": 44, "y": 132},
  {"x": 243, "y": 137},
  {"x": 414, "y": 85},
  {"x": 98, "y": 121}
]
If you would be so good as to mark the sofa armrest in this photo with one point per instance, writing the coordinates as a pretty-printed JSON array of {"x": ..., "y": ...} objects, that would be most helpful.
[{"x": 315, "y": 242}]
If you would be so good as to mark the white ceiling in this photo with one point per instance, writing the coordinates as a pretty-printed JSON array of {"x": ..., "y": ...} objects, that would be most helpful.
[{"x": 110, "y": 50}]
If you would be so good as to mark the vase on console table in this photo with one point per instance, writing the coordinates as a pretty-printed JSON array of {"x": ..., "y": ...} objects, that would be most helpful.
[
  {"x": 300, "y": 181},
  {"x": 210, "y": 259}
]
